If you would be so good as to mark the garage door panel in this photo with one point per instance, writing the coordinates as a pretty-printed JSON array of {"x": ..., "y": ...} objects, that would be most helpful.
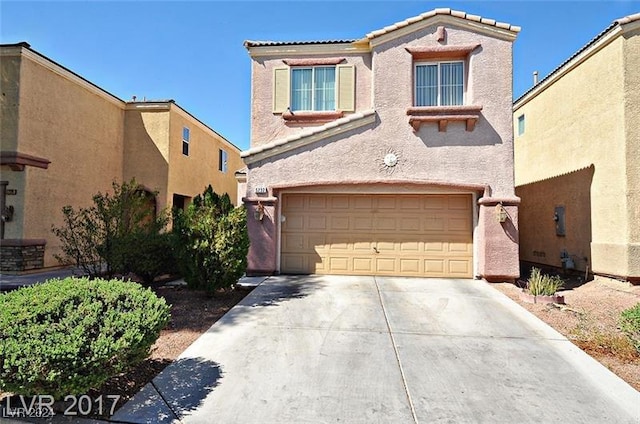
[
  {"x": 339, "y": 223},
  {"x": 409, "y": 266},
  {"x": 363, "y": 223},
  {"x": 340, "y": 202},
  {"x": 317, "y": 222},
  {"x": 414, "y": 235},
  {"x": 363, "y": 265}
]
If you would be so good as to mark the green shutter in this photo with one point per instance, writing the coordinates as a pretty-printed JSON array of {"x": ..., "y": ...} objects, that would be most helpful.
[
  {"x": 280, "y": 89},
  {"x": 346, "y": 78}
]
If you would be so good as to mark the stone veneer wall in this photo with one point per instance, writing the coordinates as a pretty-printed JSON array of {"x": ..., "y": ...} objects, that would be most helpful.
[{"x": 21, "y": 255}]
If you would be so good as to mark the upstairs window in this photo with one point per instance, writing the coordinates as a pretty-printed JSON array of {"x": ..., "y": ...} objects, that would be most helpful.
[
  {"x": 520, "y": 124},
  {"x": 186, "y": 135},
  {"x": 313, "y": 88},
  {"x": 222, "y": 161},
  {"x": 439, "y": 83}
]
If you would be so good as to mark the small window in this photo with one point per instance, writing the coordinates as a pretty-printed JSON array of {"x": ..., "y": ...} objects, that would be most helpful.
[
  {"x": 313, "y": 89},
  {"x": 185, "y": 141},
  {"x": 222, "y": 161},
  {"x": 520, "y": 124},
  {"x": 439, "y": 83}
]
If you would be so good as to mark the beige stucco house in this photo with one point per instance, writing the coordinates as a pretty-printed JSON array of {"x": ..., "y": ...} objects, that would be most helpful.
[
  {"x": 64, "y": 139},
  {"x": 577, "y": 159},
  {"x": 388, "y": 155}
]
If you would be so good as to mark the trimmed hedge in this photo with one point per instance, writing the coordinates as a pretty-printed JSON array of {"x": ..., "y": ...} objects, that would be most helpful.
[
  {"x": 64, "y": 337},
  {"x": 630, "y": 324}
]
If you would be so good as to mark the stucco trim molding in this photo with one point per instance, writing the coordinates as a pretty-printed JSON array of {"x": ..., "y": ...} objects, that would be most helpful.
[
  {"x": 307, "y": 117},
  {"x": 470, "y": 114},
  {"x": 17, "y": 161},
  {"x": 480, "y": 188},
  {"x": 505, "y": 201},
  {"x": 260, "y": 199},
  {"x": 22, "y": 242},
  {"x": 449, "y": 52},
  {"x": 310, "y": 136},
  {"x": 314, "y": 62}
]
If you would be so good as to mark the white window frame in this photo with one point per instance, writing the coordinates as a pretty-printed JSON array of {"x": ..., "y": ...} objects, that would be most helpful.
[
  {"x": 313, "y": 86},
  {"x": 439, "y": 62},
  {"x": 521, "y": 124},
  {"x": 222, "y": 164},
  {"x": 186, "y": 141}
]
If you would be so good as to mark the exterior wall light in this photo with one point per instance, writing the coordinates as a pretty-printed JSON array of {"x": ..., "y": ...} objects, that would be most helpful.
[
  {"x": 258, "y": 214},
  {"x": 501, "y": 213}
]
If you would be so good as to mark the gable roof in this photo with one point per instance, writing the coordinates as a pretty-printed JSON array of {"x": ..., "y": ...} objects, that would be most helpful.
[
  {"x": 442, "y": 12},
  {"x": 582, "y": 54},
  {"x": 391, "y": 28},
  {"x": 309, "y": 136}
]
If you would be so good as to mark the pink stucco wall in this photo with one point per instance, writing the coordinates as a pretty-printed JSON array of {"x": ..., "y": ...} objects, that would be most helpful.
[
  {"x": 267, "y": 126},
  {"x": 482, "y": 157}
]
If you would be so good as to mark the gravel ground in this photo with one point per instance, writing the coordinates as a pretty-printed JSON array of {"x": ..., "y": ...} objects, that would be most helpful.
[{"x": 590, "y": 320}]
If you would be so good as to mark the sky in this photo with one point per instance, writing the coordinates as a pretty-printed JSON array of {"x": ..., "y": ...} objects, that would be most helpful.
[{"x": 192, "y": 51}]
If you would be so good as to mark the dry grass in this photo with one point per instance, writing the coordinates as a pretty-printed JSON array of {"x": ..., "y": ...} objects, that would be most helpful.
[{"x": 590, "y": 320}]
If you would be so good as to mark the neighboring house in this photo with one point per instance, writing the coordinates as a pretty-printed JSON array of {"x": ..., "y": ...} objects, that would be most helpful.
[
  {"x": 577, "y": 159},
  {"x": 65, "y": 139},
  {"x": 387, "y": 155}
]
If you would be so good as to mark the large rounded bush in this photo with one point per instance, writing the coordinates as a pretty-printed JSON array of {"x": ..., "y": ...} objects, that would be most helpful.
[{"x": 67, "y": 336}]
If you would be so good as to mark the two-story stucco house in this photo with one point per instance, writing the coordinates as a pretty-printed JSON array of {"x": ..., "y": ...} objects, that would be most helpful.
[
  {"x": 391, "y": 154},
  {"x": 64, "y": 139},
  {"x": 577, "y": 158}
]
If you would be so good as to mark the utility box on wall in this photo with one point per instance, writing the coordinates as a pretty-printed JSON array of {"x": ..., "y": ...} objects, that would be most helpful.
[{"x": 558, "y": 216}]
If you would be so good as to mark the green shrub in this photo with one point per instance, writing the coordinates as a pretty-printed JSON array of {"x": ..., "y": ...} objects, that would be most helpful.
[
  {"x": 149, "y": 255},
  {"x": 541, "y": 284},
  {"x": 64, "y": 337},
  {"x": 107, "y": 237},
  {"x": 630, "y": 324},
  {"x": 211, "y": 241}
]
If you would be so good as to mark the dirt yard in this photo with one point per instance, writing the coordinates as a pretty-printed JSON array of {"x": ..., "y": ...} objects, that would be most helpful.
[{"x": 590, "y": 320}]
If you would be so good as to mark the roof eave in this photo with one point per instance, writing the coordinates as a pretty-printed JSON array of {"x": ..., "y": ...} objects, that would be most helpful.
[
  {"x": 606, "y": 37},
  {"x": 287, "y": 144}
]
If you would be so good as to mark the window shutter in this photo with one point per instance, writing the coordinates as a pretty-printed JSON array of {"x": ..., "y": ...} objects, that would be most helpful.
[
  {"x": 346, "y": 78},
  {"x": 280, "y": 89}
]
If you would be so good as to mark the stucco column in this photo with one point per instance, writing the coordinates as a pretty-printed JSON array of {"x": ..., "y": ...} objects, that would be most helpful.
[
  {"x": 262, "y": 227},
  {"x": 498, "y": 255}
]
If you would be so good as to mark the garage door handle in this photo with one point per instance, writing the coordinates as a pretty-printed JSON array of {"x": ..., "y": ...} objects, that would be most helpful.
[{"x": 375, "y": 249}]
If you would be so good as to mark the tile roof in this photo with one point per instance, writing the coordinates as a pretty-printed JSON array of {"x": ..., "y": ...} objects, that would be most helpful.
[
  {"x": 390, "y": 28},
  {"x": 614, "y": 24},
  {"x": 308, "y": 133},
  {"x": 442, "y": 11},
  {"x": 255, "y": 43}
]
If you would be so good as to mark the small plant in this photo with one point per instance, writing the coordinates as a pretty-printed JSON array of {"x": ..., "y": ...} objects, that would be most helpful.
[
  {"x": 211, "y": 241},
  {"x": 630, "y": 324},
  {"x": 540, "y": 284},
  {"x": 64, "y": 337}
]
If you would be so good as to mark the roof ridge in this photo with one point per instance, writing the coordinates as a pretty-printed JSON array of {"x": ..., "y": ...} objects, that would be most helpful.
[{"x": 442, "y": 11}]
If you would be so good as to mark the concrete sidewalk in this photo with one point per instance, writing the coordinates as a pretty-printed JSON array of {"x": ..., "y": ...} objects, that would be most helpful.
[
  {"x": 14, "y": 281},
  {"x": 382, "y": 350}
]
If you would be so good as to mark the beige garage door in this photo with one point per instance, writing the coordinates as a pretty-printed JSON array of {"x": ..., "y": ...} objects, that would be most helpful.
[{"x": 405, "y": 235}]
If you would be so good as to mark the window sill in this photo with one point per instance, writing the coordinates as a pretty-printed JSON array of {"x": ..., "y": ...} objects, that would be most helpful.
[
  {"x": 442, "y": 115},
  {"x": 312, "y": 117}
]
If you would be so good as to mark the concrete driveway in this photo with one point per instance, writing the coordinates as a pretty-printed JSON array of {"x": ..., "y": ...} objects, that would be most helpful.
[{"x": 320, "y": 349}]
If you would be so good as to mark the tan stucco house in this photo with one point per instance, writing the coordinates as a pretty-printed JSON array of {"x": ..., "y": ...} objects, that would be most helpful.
[
  {"x": 391, "y": 154},
  {"x": 64, "y": 139},
  {"x": 577, "y": 159}
]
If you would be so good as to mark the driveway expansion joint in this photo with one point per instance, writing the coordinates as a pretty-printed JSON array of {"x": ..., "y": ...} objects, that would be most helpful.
[{"x": 397, "y": 354}]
